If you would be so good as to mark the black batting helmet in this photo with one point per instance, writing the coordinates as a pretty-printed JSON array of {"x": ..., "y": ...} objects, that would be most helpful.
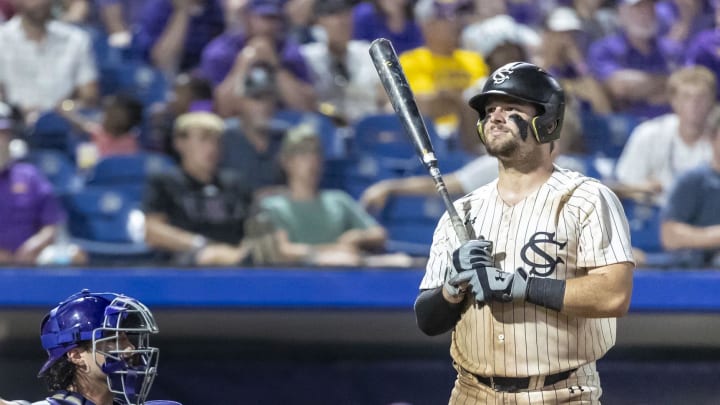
[{"x": 531, "y": 84}]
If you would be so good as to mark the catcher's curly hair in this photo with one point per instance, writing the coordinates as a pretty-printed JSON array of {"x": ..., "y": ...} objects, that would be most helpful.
[{"x": 61, "y": 375}]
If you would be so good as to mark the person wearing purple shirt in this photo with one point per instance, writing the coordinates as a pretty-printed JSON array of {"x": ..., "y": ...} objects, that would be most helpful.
[
  {"x": 679, "y": 21},
  {"x": 387, "y": 19},
  {"x": 630, "y": 64},
  {"x": 704, "y": 48},
  {"x": 29, "y": 211},
  {"x": 173, "y": 33},
  {"x": 256, "y": 33}
]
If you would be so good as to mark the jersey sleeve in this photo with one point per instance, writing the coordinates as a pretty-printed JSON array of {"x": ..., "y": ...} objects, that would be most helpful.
[{"x": 604, "y": 231}]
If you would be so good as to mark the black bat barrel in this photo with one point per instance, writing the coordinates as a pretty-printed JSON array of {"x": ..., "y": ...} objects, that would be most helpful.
[{"x": 402, "y": 99}]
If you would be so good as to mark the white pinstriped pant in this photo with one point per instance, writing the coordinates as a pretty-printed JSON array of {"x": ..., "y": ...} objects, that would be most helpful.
[{"x": 582, "y": 387}]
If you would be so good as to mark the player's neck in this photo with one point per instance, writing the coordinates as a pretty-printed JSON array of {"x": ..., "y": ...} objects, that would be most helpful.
[{"x": 516, "y": 183}]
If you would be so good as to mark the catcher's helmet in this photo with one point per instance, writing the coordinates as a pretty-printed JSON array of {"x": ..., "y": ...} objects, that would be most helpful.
[
  {"x": 529, "y": 83},
  {"x": 119, "y": 328}
]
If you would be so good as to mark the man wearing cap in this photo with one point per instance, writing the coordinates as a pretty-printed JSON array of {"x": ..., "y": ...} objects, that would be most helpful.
[
  {"x": 321, "y": 227},
  {"x": 29, "y": 211},
  {"x": 256, "y": 33},
  {"x": 343, "y": 75},
  {"x": 562, "y": 55},
  {"x": 251, "y": 142},
  {"x": 172, "y": 33},
  {"x": 196, "y": 214}
]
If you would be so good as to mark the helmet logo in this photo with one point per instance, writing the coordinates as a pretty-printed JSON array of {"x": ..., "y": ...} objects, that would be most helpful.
[{"x": 503, "y": 73}]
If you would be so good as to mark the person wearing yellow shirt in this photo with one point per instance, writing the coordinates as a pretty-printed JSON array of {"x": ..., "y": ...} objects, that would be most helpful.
[{"x": 439, "y": 71}]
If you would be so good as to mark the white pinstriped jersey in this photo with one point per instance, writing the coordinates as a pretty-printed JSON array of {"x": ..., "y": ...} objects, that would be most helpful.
[{"x": 572, "y": 223}]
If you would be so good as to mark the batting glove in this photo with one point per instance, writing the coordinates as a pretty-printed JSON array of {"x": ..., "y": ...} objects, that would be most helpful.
[
  {"x": 486, "y": 283},
  {"x": 519, "y": 287},
  {"x": 473, "y": 254}
]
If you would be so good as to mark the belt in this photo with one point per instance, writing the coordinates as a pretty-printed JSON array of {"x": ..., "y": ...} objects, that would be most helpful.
[{"x": 512, "y": 384}]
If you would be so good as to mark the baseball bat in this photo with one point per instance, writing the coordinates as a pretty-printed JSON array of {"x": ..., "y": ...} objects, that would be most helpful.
[{"x": 403, "y": 101}]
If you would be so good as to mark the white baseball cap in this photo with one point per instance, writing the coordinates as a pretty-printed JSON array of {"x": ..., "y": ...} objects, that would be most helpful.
[
  {"x": 564, "y": 19},
  {"x": 484, "y": 36}
]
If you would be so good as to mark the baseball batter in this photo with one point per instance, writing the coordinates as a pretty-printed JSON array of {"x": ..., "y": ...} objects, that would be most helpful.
[{"x": 533, "y": 299}]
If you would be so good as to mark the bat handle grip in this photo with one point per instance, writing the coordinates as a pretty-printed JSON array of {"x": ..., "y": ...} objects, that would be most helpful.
[{"x": 457, "y": 223}]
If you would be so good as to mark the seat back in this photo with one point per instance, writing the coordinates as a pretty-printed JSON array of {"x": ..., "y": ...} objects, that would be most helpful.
[
  {"x": 102, "y": 214},
  {"x": 127, "y": 170},
  {"x": 383, "y": 136},
  {"x": 57, "y": 167}
]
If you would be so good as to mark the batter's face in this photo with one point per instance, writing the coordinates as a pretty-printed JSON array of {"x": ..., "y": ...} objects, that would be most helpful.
[{"x": 506, "y": 126}]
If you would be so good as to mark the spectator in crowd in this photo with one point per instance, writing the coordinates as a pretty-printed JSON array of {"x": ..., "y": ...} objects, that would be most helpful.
[
  {"x": 439, "y": 71},
  {"x": 598, "y": 19},
  {"x": 498, "y": 38},
  {"x": 120, "y": 18},
  {"x": 252, "y": 143},
  {"x": 172, "y": 33},
  {"x": 690, "y": 218},
  {"x": 702, "y": 50},
  {"x": 344, "y": 77},
  {"x": 197, "y": 213},
  {"x": 299, "y": 15},
  {"x": 393, "y": 20},
  {"x": 77, "y": 12},
  {"x": 562, "y": 56},
  {"x": 659, "y": 149},
  {"x": 117, "y": 133},
  {"x": 320, "y": 227},
  {"x": 257, "y": 33},
  {"x": 631, "y": 64},
  {"x": 45, "y": 61},
  {"x": 679, "y": 21},
  {"x": 189, "y": 93},
  {"x": 30, "y": 213}
]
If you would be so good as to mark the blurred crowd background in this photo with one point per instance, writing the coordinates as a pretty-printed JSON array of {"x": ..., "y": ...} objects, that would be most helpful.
[{"x": 256, "y": 132}]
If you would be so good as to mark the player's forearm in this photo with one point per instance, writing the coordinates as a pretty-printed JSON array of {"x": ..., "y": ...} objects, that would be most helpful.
[
  {"x": 603, "y": 294},
  {"x": 677, "y": 235},
  {"x": 434, "y": 314}
]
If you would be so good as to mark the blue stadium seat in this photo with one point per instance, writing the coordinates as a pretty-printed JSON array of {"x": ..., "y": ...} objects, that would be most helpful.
[
  {"x": 51, "y": 131},
  {"x": 106, "y": 223},
  {"x": 644, "y": 221},
  {"x": 606, "y": 135},
  {"x": 136, "y": 78},
  {"x": 58, "y": 168},
  {"x": 332, "y": 140},
  {"x": 383, "y": 136},
  {"x": 127, "y": 169},
  {"x": 410, "y": 222},
  {"x": 354, "y": 175}
]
